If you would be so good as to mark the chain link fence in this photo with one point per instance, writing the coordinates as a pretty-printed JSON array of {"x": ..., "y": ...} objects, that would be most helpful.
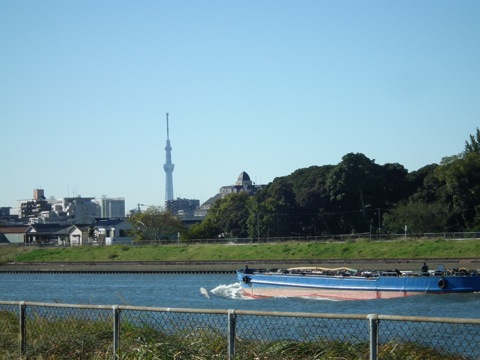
[{"x": 31, "y": 330}]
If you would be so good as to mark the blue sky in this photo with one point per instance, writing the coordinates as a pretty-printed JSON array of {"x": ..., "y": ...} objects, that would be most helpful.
[{"x": 262, "y": 86}]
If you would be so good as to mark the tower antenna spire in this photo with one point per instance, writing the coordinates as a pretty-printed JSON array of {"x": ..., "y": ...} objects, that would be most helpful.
[{"x": 168, "y": 132}]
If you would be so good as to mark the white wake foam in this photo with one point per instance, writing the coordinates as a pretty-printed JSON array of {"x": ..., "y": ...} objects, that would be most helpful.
[{"x": 232, "y": 291}]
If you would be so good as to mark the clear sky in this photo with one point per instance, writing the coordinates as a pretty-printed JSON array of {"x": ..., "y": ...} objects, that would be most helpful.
[{"x": 266, "y": 87}]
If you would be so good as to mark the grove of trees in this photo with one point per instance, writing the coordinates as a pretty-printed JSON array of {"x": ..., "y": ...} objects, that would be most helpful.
[{"x": 356, "y": 196}]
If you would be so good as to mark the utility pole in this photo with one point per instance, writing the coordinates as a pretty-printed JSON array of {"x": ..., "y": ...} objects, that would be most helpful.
[{"x": 379, "y": 224}]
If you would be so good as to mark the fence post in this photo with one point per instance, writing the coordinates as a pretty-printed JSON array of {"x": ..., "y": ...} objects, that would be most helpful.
[
  {"x": 231, "y": 334},
  {"x": 116, "y": 330},
  {"x": 373, "y": 322},
  {"x": 23, "y": 328}
]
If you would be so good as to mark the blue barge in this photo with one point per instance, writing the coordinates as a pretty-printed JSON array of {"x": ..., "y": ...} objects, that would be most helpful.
[{"x": 351, "y": 284}]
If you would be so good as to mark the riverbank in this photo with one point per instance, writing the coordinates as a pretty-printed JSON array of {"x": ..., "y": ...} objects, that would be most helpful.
[
  {"x": 225, "y": 266},
  {"x": 361, "y": 254}
]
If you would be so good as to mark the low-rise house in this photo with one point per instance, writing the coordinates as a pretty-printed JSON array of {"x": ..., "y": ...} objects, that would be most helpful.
[
  {"x": 12, "y": 234},
  {"x": 102, "y": 232},
  {"x": 112, "y": 231},
  {"x": 45, "y": 234},
  {"x": 78, "y": 235}
]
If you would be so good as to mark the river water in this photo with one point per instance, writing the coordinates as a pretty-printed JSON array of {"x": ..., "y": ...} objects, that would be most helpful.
[{"x": 183, "y": 291}]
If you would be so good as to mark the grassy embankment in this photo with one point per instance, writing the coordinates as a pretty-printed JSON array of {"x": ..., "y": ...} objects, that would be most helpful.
[
  {"x": 91, "y": 339},
  {"x": 350, "y": 250}
]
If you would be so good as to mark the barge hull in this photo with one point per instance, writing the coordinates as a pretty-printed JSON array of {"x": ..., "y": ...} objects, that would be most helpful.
[{"x": 257, "y": 285}]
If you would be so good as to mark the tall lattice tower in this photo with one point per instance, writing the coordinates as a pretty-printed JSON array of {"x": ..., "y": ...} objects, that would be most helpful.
[{"x": 168, "y": 167}]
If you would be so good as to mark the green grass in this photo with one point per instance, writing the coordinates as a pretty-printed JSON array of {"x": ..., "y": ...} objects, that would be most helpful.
[
  {"x": 73, "y": 337},
  {"x": 350, "y": 250}
]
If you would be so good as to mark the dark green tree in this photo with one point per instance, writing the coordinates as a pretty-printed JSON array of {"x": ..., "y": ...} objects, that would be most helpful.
[
  {"x": 392, "y": 185},
  {"x": 274, "y": 211},
  {"x": 418, "y": 216},
  {"x": 423, "y": 185},
  {"x": 312, "y": 198},
  {"x": 474, "y": 144},
  {"x": 231, "y": 214},
  {"x": 226, "y": 218},
  {"x": 92, "y": 235},
  {"x": 352, "y": 185},
  {"x": 461, "y": 176},
  {"x": 204, "y": 230}
]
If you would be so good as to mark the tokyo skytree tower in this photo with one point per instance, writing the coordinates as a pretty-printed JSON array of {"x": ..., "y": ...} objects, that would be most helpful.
[{"x": 168, "y": 167}]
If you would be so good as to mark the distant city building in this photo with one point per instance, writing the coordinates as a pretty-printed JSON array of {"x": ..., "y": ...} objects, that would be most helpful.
[
  {"x": 39, "y": 194},
  {"x": 112, "y": 208},
  {"x": 243, "y": 184},
  {"x": 30, "y": 209},
  {"x": 81, "y": 210},
  {"x": 67, "y": 211},
  {"x": 71, "y": 210},
  {"x": 182, "y": 207},
  {"x": 6, "y": 217}
]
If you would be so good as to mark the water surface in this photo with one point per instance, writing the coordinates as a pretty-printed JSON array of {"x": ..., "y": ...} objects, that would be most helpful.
[{"x": 184, "y": 291}]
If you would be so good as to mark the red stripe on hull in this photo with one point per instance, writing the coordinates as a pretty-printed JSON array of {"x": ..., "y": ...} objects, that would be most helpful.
[{"x": 326, "y": 293}]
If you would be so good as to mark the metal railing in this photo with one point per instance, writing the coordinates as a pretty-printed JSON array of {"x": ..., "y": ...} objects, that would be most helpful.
[
  {"x": 64, "y": 331},
  {"x": 281, "y": 239},
  {"x": 319, "y": 238}
]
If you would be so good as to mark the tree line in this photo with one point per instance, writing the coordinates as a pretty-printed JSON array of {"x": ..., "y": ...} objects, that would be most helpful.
[{"x": 355, "y": 196}]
